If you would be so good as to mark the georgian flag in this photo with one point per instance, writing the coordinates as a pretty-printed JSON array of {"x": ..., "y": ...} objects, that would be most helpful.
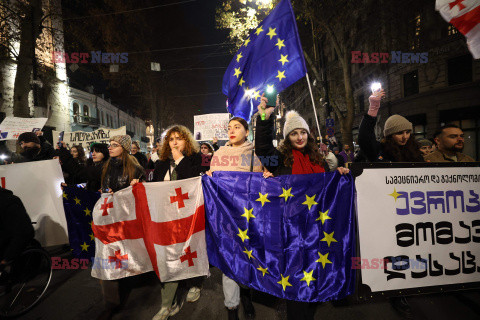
[
  {"x": 157, "y": 226},
  {"x": 465, "y": 16}
]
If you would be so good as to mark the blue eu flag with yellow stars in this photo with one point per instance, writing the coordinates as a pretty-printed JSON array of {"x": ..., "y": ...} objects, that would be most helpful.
[
  {"x": 291, "y": 236},
  {"x": 271, "y": 56},
  {"x": 78, "y": 204}
]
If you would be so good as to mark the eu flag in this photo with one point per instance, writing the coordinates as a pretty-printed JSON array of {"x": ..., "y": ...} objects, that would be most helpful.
[
  {"x": 290, "y": 236},
  {"x": 78, "y": 204},
  {"x": 271, "y": 56}
]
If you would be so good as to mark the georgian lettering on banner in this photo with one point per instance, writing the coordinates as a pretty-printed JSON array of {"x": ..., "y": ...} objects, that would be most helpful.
[{"x": 418, "y": 227}]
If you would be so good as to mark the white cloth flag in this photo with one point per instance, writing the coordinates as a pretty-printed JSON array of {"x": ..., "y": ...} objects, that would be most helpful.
[
  {"x": 156, "y": 226},
  {"x": 465, "y": 16}
]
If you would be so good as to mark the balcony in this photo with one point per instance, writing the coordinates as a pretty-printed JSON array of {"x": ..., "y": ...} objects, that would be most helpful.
[{"x": 86, "y": 121}]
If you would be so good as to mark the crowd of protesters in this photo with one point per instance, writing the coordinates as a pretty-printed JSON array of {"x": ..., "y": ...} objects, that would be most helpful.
[{"x": 177, "y": 156}]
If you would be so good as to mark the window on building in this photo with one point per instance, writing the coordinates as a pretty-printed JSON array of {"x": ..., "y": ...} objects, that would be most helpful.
[
  {"x": 419, "y": 122},
  {"x": 102, "y": 121},
  {"x": 410, "y": 83},
  {"x": 85, "y": 111},
  {"x": 76, "y": 112},
  {"x": 460, "y": 70},
  {"x": 414, "y": 31}
]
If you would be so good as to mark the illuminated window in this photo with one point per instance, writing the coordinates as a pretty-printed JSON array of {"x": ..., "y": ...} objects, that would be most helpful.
[{"x": 413, "y": 34}]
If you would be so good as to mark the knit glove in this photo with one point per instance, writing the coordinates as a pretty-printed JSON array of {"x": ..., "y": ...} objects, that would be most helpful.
[{"x": 374, "y": 101}]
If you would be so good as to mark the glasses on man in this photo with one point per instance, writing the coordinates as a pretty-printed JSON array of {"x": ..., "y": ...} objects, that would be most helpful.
[{"x": 114, "y": 145}]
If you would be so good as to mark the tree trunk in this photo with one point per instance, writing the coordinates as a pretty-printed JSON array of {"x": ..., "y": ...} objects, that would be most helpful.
[
  {"x": 346, "y": 123},
  {"x": 29, "y": 32}
]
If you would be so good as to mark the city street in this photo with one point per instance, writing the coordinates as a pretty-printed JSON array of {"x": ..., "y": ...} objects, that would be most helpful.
[{"x": 75, "y": 295}]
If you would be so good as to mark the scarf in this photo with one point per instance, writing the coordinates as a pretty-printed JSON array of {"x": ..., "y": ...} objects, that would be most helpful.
[{"x": 302, "y": 164}]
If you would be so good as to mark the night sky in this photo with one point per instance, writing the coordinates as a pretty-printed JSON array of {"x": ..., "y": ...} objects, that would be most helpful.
[{"x": 196, "y": 90}]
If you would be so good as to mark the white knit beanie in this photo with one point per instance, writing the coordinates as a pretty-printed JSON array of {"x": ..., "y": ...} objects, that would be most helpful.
[
  {"x": 396, "y": 123},
  {"x": 294, "y": 121}
]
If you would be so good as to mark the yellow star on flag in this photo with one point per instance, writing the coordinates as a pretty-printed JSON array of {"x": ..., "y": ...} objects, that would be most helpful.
[
  {"x": 264, "y": 270},
  {"x": 256, "y": 95},
  {"x": 248, "y": 214},
  {"x": 283, "y": 59},
  {"x": 263, "y": 198},
  {"x": 259, "y": 30},
  {"x": 284, "y": 282},
  {"x": 280, "y": 44},
  {"x": 90, "y": 223},
  {"x": 243, "y": 234},
  {"x": 323, "y": 216},
  {"x": 64, "y": 195},
  {"x": 241, "y": 82},
  {"x": 310, "y": 201},
  {"x": 77, "y": 201},
  {"x": 323, "y": 259},
  {"x": 92, "y": 237},
  {"x": 87, "y": 212},
  {"x": 395, "y": 194},
  {"x": 237, "y": 72},
  {"x": 307, "y": 276},
  {"x": 246, "y": 42},
  {"x": 239, "y": 56},
  {"x": 280, "y": 75},
  {"x": 271, "y": 32},
  {"x": 85, "y": 246},
  {"x": 286, "y": 194},
  {"x": 328, "y": 237},
  {"x": 249, "y": 253}
]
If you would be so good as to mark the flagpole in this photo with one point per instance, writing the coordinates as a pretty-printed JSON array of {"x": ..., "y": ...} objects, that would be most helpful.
[{"x": 314, "y": 109}]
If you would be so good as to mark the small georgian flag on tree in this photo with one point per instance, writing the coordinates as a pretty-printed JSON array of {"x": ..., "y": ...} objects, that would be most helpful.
[
  {"x": 157, "y": 226},
  {"x": 465, "y": 16}
]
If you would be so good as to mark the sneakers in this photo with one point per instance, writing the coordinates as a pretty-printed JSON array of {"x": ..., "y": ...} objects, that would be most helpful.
[
  {"x": 193, "y": 294},
  {"x": 165, "y": 313}
]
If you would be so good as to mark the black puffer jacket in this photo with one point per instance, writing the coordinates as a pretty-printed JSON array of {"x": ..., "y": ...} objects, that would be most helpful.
[
  {"x": 114, "y": 178},
  {"x": 16, "y": 229},
  {"x": 189, "y": 167}
]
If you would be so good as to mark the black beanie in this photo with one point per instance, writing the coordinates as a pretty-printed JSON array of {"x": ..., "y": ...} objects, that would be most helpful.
[{"x": 28, "y": 137}]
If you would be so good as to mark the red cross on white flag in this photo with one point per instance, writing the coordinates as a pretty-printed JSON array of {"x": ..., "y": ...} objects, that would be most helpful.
[
  {"x": 465, "y": 16},
  {"x": 156, "y": 226}
]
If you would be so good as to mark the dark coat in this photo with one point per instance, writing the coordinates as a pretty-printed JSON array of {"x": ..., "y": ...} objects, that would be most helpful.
[
  {"x": 16, "y": 230},
  {"x": 141, "y": 158},
  {"x": 372, "y": 149},
  {"x": 114, "y": 178},
  {"x": 91, "y": 173},
  {"x": 189, "y": 167},
  {"x": 271, "y": 158}
]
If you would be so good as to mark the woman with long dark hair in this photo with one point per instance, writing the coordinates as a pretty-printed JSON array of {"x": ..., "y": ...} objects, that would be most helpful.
[
  {"x": 398, "y": 143},
  {"x": 178, "y": 159},
  {"x": 119, "y": 171},
  {"x": 297, "y": 154}
]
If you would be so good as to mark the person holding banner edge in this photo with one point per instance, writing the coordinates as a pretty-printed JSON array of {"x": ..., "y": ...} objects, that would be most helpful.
[
  {"x": 398, "y": 145},
  {"x": 178, "y": 159},
  {"x": 298, "y": 154},
  {"x": 236, "y": 151}
]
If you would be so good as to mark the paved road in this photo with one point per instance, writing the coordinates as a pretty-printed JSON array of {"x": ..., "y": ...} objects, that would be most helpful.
[{"x": 75, "y": 295}]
